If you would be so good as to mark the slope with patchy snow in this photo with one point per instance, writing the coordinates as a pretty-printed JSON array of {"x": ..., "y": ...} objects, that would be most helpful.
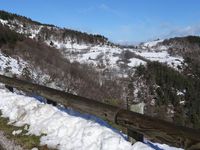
[
  {"x": 156, "y": 51},
  {"x": 102, "y": 56},
  {"x": 9, "y": 64}
]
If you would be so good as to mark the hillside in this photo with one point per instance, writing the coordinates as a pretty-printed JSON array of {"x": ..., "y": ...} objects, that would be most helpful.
[
  {"x": 76, "y": 46},
  {"x": 168, "y": 93},
  {"x": 91, "y": 66},
  {"x": 189, "y": 49}
]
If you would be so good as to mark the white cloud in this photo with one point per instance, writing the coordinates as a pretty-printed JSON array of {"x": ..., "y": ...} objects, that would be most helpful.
[{"x": 184, "y": 31}]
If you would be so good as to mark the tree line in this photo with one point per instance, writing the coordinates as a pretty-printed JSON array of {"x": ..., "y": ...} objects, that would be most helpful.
[{"x": 169, "y": 84}]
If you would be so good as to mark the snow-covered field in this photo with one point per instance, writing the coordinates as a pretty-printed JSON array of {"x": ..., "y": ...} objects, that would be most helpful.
[
  {"x": 163, "y": 57},
  {"x": 61, "y": 128}
]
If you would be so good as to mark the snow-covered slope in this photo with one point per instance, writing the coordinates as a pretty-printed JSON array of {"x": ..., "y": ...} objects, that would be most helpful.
[
  {"x": 156, "y": 51},
  {"x": 162, "y": 56},
  {"x": 151, "y": 43},
  {"x": 64, "y": 129}
]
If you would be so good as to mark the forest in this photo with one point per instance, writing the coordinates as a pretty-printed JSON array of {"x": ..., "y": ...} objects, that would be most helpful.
[{"x": 173, "y": 88}]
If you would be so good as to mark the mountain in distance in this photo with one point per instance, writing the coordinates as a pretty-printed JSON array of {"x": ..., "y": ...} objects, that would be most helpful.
[{"x": 162, "y": 74}]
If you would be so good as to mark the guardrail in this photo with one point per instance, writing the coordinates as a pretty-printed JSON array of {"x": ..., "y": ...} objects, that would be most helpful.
[{"x": 155, "y": 129}]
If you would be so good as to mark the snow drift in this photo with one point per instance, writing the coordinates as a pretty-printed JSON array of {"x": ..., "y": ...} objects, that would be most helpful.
[{"x": 61, "y": 130}]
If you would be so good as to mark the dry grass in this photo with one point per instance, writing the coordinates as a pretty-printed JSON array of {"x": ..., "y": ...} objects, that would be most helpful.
[{"x": 26, "y": 141}]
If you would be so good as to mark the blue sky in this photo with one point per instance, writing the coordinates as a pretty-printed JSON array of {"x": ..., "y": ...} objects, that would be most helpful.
[{"x": 120, "y": 20}]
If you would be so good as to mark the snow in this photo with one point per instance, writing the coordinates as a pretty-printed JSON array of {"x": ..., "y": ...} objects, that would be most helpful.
[
  {"x": 31, "y": 30},
  {"x": 13, "y": 65},
  {"x": 162, "y": 47},
  {"x": 158, "y": 146},
  {"x": 34, "y": 148},
  {"x": 152, "y": 43},
  {"x": 34, "y": 32},
  {"x": 68, "y": 44},
  {"x": 95, "y": 55},
  {"x": 79, "y": 46},
  {"x": 3, "y": 21},
  {"x": 141, "y": 146},
  {"x": 182, "y": 102},
  {"x": 63, "y": 130},
  {"x": 110, "y": 56},
  {"x": 155, "y": 52},
  {"x": 136, "y": 62},
  {"x": 181, "y": 93},
  {"x": 17, "y": 132},
  {"x": 101, "y": 56},
  {"x": 91, "y": 55},
  {"x": 163, "y": 57}
]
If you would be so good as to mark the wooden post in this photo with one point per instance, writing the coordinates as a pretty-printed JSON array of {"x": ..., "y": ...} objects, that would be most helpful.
[{"x": 155, "y": 129}]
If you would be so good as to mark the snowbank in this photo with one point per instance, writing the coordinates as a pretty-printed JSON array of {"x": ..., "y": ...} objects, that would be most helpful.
[{"x": 62, "y": 130}]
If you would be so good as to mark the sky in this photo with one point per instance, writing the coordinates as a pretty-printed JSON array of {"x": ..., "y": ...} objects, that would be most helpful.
[{"x": 122, "y": 21}]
